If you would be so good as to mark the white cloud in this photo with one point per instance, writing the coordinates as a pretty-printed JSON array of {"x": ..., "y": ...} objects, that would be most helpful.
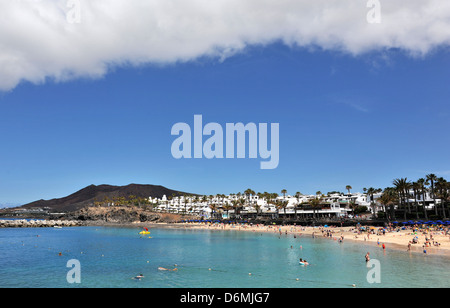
[{"x": 37, "y": 41}]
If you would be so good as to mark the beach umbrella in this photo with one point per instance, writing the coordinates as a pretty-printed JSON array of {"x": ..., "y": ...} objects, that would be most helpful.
[{"x": 395, "y": 222}]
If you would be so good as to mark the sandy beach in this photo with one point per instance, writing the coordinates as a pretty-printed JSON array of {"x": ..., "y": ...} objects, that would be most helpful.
[{"x": 433, "y": 241}]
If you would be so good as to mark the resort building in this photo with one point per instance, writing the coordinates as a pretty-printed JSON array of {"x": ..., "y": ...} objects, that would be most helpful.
[{"x": 252, "y": 206}]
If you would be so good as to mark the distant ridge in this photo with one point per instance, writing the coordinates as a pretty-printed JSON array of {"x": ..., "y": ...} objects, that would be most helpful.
[{"x": 88, "y": 195}]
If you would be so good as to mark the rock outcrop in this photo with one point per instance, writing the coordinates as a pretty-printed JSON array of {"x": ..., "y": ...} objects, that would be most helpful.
[
  {"x": 122, "y": 215},
  {"x": 23, "y": 223}
]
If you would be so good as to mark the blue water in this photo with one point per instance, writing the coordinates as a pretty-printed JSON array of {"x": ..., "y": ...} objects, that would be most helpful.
[{"x": 110, "y": 257}]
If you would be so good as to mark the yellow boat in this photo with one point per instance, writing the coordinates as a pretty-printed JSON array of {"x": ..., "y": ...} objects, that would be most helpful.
[{"x": 144, "y": 232}]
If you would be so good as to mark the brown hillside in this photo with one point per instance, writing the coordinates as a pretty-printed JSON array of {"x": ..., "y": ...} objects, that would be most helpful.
[{"x": 88, "y": 195}]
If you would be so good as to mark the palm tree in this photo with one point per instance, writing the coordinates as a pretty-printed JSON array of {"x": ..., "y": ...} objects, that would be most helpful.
[
  {"x": 432, "y": 178},
  {"x": 283, "y": 204},
  {"x": 416, "y": 188},
  {"x": 227, "y": 208},
  {"x": 122, "y": 200},
  {"x": 106, "y": 201},
  {"x": 352, "y": 205},
  {"x": 422, "y": 185},
  {"x": 284, "y": 192},
  {"x": 370, "y": 192},
  {"x": 445, "y": 198},
  {"x": 277, "y": 207},
  {"x": 297, "y": 195},
  {"x": 257, "y": 207},
  {"x": 235, "y": 206},
  {"x": 348, "y": 187},
  {"x": 213, "y": 208},
  {"x": 238, "y": 205},
  {"x": 389, "y": 198},
  {"x": 402, "y": 187},
  {"x": 248, "y": 193},
  {"x": 272, "y": 197},
  {"x": 442, "y": 190},
  {"x": 316, "y": 203}
]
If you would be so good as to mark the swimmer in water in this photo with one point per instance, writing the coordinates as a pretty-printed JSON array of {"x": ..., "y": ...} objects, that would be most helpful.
[
  {"x": 138, "y": 277},
  {"x": 367, "y": 257},
  {"x": 167, "y": 269},
  {"x": 304, "y": 261}
]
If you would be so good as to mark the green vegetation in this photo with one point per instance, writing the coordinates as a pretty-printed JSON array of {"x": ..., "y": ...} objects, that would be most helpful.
[{"x": 412, "y": 198}]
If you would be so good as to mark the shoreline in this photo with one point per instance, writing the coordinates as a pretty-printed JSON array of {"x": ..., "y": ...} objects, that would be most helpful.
[{"x": 396, "y": 240}]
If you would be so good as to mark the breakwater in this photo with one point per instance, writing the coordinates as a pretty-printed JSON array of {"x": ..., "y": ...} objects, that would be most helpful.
[{"x": 24, "y": 223}]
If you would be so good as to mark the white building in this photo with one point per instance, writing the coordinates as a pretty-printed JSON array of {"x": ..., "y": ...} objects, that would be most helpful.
[{"x": 221, "y": 206}]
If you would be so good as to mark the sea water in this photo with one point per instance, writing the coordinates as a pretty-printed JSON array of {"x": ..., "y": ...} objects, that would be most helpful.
[{"x": 111, "y": 257}]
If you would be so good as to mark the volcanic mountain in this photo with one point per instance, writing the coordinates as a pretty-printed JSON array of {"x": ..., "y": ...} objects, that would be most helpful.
[{"x": 92, "y": 193}]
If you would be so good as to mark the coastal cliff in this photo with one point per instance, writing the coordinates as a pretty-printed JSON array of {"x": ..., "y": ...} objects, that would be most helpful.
[{"x": 122, "y": 215}]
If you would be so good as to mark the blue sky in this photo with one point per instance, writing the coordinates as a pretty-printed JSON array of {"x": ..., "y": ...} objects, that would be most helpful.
[{"x": 361, "y": 120}]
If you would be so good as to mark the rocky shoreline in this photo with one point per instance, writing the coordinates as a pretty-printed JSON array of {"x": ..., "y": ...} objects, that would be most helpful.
[
  {"x": 32, "y": 223},
  {"x": 95, "y": 216}
]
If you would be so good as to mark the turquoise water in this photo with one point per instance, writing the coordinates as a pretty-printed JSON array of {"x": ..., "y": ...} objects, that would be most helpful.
[{"x": 110, "y": 257}]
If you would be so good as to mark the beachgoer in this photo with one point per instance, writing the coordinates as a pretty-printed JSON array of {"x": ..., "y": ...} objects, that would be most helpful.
[
  {"x": 167, "y": 269},
  {"x": 367, "y": 257},
  {"x": 304, "y": 262},
  {"x": 138, "y": 277}
]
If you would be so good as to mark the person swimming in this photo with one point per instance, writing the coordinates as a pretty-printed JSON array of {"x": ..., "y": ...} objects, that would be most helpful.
[
  {"x": 167, "y": 269},
  {"x": 304, "y": 262},
  {"x": 138, "y": 277},
  {"x": 367, "y": 257}
]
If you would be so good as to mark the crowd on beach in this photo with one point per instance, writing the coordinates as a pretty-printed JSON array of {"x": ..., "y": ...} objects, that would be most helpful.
[{"x": 428, "y": 238}]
